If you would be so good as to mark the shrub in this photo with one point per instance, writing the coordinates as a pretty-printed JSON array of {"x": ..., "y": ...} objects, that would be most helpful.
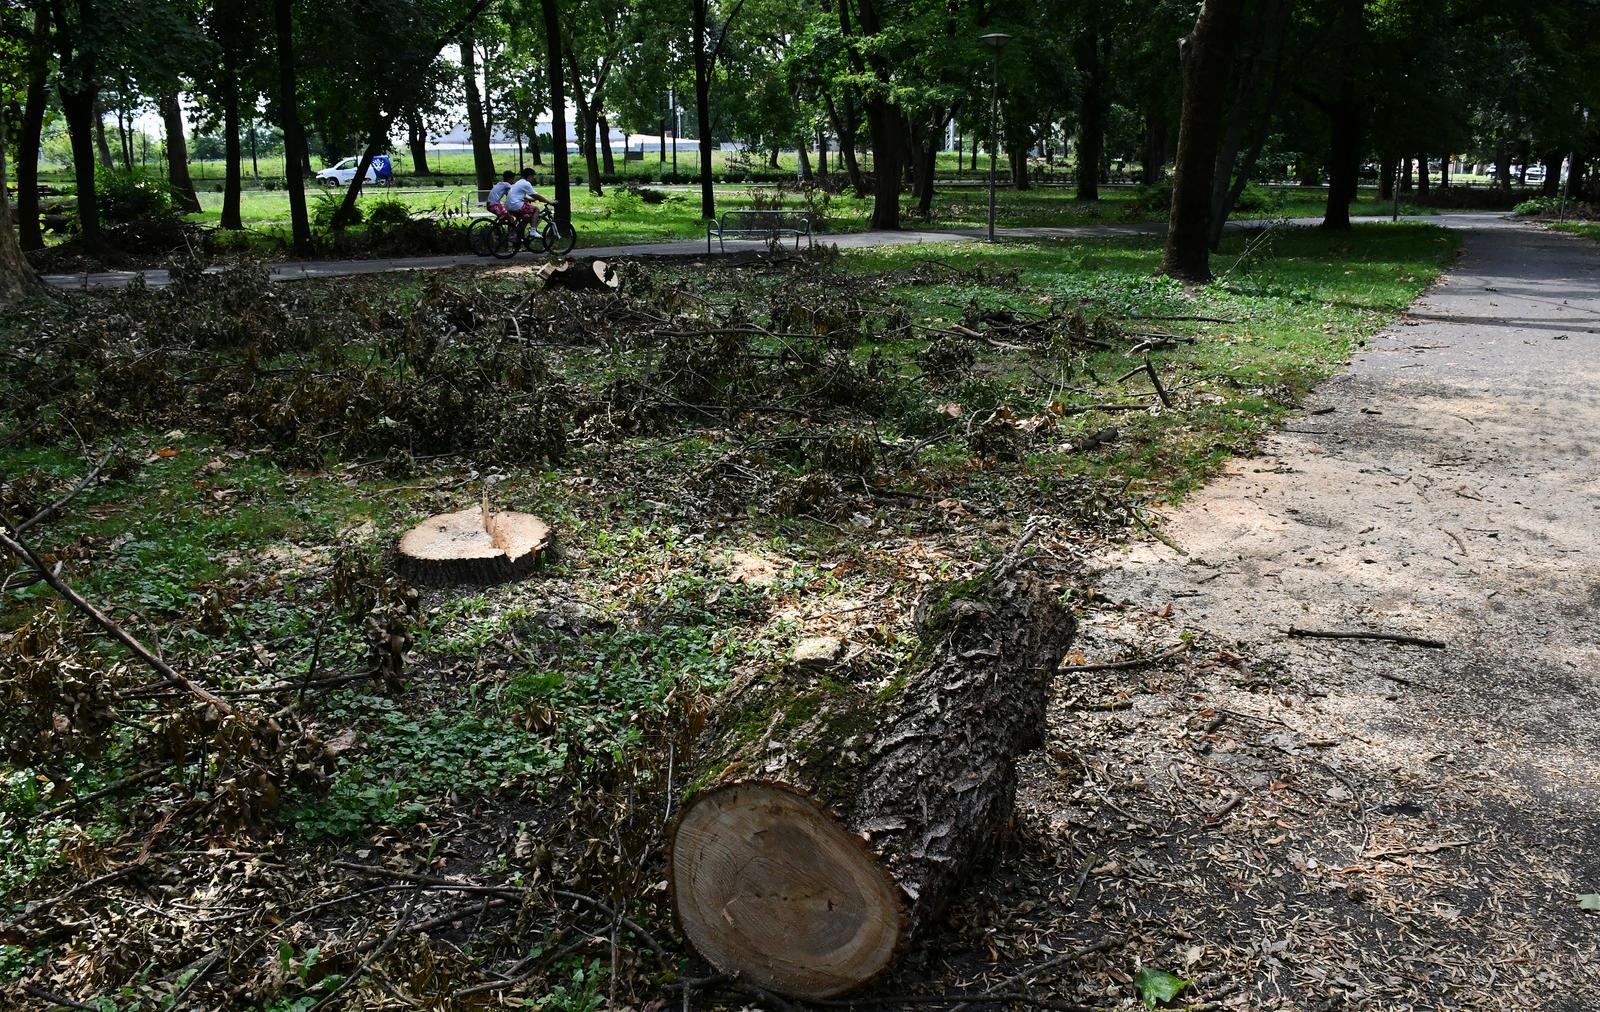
[
  {"x": 650, "y": 196},
  {"x": 387, "y": 212},
  {"x": 1536, "y": 205},
  {"x": 1151, "y": 198},
  {"x": 328, "y": 203},
  {"x": 1258, "y": 199},
  {"x": 621, "y": 201},
  {"x": 124, "y": 196}
]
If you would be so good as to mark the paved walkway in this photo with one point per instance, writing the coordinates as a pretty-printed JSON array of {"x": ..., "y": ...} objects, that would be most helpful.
[{"x": 1446, "y": 486}]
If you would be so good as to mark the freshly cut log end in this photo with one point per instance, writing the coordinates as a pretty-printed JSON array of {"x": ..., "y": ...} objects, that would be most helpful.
[
  {"x": 829, "y": 843},
  {"x": 579, "y": 275},
  {"x": 461, "y": 548},
  {"x": 767, "y": 885}
]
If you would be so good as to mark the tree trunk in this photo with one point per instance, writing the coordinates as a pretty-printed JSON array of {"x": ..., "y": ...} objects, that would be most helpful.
[
  {"x": 844, "y": 128},
  {"x": 125, "y": 137},
  {"x": 1207, "y": 56},
  {"x": 803, "y": 156},
  {"x": 294, "y": 141},
  {"x": 1552, "y": 173},
  {"x": 558, "y": 110},
  {"x": 1444, "y": 172},
  {"x": 822, "y": 151},
  {"x": 1091, "y": 109},
  {"x": 1153, "y": 158},
  {"x": 844, "y": 821},
  {"x": 30, "y": 235},
  {"x": 1344, "y": 154},
  {"x": 101, "y": 146},
  {"x": 1422, "y": 174},
  {"x": 702, "y": 108},
  {"x": 604, "y": 127},
  {"x": 417, "y": 141},
  {"x": 232, "y": 159},
  {"x": 1405, "y": 174},
  {"x": 1386, "y": 176},
  {"x": 16, "y": 276},
  {"x": 178, "y": 156},
  {"x": 1576, "y": 168},
  {"x": 477, "y": 126},
  {"x": 929, "y": 154},
  {"x": 1502, "y": 166},
  {"x": 883, "y": 127},
  {"x": 78, "y": 109},
  {"x": 1017, "y": 162}
]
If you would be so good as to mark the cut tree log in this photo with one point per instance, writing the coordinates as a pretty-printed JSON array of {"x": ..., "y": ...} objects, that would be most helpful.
[
  {"x": 474, "y": 546},
  {"x": 579, "y": 274},
  {"x": 839, "y": 821}
]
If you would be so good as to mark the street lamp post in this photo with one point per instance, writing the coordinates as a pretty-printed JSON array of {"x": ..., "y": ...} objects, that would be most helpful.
[{"x": 996, "y": 41}]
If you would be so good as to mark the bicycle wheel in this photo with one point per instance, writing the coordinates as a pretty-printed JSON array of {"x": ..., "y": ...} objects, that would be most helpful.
[
  {"x": 505, "y": 240},
  {"x": 558, "y": 239},
  {"x": 480, "y": 236}
]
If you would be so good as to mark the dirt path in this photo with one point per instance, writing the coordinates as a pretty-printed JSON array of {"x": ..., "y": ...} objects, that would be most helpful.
[{"x": 1361, "y": 824}]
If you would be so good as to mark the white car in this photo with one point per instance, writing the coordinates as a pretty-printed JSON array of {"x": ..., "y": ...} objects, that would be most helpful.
[{"x": 344, "y": 171}]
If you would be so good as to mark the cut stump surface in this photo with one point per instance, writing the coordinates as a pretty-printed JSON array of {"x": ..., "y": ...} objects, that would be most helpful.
[{"x": 456, "y": 548}]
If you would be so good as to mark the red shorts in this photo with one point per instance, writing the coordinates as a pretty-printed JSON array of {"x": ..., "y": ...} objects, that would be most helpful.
[{"x": 498, "y": 210}]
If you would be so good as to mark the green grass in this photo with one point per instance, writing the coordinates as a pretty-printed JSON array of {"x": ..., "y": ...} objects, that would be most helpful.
[{"x": 1587, "y": 229}]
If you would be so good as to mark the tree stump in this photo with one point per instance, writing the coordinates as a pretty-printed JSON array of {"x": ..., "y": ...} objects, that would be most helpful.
[
  {"x": 474, "y": 546},
  {"x": 841, "y": 820},
  {"x": 579, "y": 275}
]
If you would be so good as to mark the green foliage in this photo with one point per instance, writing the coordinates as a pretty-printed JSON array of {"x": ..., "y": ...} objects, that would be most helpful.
[
  {"x": 583, "y": 991},
  {"x": 407, "y": 762},
  {"x": 1257, "y": 199},
  {"x": 388, "y": 212},
  {"x": 1157, "y": 986},
  {"x": 327, "y": 207},
  {"x": 1534, "y": 206},
  {"x": 621, "y": 202},
  {"x": 124, "y": 195}
]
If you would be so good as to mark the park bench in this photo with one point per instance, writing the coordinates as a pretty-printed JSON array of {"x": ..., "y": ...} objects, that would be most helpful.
[{"x": 768, "y": 225}]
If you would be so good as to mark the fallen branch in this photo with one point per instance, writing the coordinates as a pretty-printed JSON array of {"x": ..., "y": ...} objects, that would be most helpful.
[
  {"x": 17, "y": 547},
  {"x": 994, "y": 993},
  {"x": 1358, "y": 634},
  {"x": 1132, "y": 662},
  {"x": 1155, "y": 381},
  {"x": 57, "y": 506}
]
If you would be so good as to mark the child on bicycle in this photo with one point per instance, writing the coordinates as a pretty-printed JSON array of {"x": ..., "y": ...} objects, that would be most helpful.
[
  {"x": 522, "y": 196},
  {"x": 497, "y": 195}
]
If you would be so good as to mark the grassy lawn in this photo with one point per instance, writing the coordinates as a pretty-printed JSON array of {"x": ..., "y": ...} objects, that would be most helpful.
[
  {"x": 617, "y": 217},
  {"x": 1587, "y": 229},
  {"x": 833, "y": 416}
]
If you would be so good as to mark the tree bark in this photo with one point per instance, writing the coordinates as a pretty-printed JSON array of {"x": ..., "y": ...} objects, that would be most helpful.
[
  {"x": 178, "y": 155},
  {"x": 417, "y": 141},
  {"x": 1444, "y": 171},
  {"x": 17, "y": 279},
  {"x": 885, "y": 127},
  {"x": 30, "y": 235},
  {"x": 1552, "y": 173},
  {"x": 822, "y": 151},
  {"x": 102, "y": 147},
  {"x": 702, "y": 107},
  {"x": 1344, "y": 158},
  {"x": 232, "y": 160},
  {"x": 1017, "y": 161},
  {"x": 1154, "y": 155},
  {"x": 78, "y": 88},
  {"x": 1422, "y": 174},
  {"x": 604, "y": 128},
  {"x": 558, "y": 110},
  {"x": 1207, "y": 56},
  {"x": 1386, "y": 176},
  {"x": 843, "y": 821},
  {"x": 482, "y": 152},
  {"x": 844, "y": 127},
  {"x": 294, "y": 141},
  {"x": 1091, "y": 109},
  {"x": 1405, "y": 174}
]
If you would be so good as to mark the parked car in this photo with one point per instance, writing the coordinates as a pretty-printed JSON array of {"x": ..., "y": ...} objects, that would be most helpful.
[
  {"x": 343, "y": 171},
  {"x": 1535, "y": 174}
]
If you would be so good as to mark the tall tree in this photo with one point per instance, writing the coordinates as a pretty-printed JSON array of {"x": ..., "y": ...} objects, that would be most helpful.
[
  {"x": 1206, "y": 55},
  {"x": 289, "y": 117},
  {"x": 178, "y": 155},
  {"x": 78, "y": 86},
  {"x": 477, "y": 126},
  {"x": 31, "y": 236},
  {"x": 16, "y": 276},
  {"x": 558, "y": 110}
]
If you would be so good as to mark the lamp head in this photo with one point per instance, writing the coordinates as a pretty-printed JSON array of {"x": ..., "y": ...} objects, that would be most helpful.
[{"x": 995, "y": 40}]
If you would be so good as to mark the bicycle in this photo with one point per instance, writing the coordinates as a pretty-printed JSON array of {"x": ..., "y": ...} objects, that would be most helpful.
[
  {"x": 510, "y": 235},
  {"x": 480, "y": 236}
]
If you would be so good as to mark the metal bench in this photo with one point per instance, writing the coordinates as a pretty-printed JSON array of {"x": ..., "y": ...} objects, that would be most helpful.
[{"x": 768, "y": 225}]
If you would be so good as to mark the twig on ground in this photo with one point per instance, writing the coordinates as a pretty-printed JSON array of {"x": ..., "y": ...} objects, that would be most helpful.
[
  {"x": 60, "y": 504},
  {"x": 56, "y": 999},
  {"x": 994, "y": 993},
  {"x": 1295, "y": 632},
  {"x": 1130, "y": 663},
  {"x": 1155, "y": 381}
]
